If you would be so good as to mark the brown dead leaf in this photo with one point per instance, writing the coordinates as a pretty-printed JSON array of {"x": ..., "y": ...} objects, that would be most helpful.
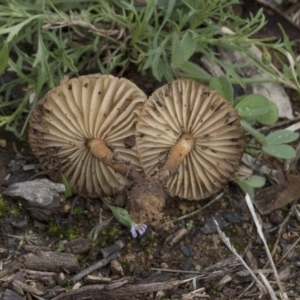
[{"x": 275, "y": 197}]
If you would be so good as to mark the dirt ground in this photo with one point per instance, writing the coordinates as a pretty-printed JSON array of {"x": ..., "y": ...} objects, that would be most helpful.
[{"x": 141, "y": 257}]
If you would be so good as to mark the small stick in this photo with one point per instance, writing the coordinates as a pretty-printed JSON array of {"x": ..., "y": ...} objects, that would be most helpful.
[
  {"x": 103, "y": 262},
  {"x": 268, "y": 286},
  {"x": 261, "y": 235},
  {"x": 112, "y": 248},
  {"x": 289, "y": 250},
  {"x": 226, "y": 241},
  {"x": 176, "y": 271},
  {"x": 281, "y": 226}
]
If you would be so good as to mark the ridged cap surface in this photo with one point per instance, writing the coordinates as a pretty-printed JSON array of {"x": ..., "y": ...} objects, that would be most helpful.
[
  {"x": 92, "y": 106},
  {"x": 186, "y": 106}
]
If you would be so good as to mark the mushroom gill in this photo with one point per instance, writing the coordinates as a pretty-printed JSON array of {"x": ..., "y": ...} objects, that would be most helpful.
[
  {"x": 188, "y": 129},
  {"x": 85, "y": 129}
]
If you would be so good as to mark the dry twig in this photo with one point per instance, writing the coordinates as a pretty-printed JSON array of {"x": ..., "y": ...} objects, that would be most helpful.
[{"x": 259, "y": 230}]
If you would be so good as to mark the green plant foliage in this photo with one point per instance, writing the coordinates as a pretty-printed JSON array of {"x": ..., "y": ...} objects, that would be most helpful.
[
  {"x": 53, "y": 228},
  {"x": 79, "y": 257},
  {"x": 255, "y": 181},
  {"x": 252, "y": 106},
  {"x": 280, "y": 151},
  {"x": 274, "y": 143},
  {"x": 3, "y": 208},
  {"x": 68, "y": 191},
  {"x": 48, "y": 39},
  {"x": 71, "y": 234},
  {"x": 189, "y": 225},
  {"x": 15, "y": 211},
  {"x": 77, "y": 210},
  {"x": 178, "y": 53},
  {"x": 223, "y": 86},
  {"x": 281, "y": 136},
  {"x": 3, "y": 57},
  {"x": 189, "y": 44},
  {"x": 246, "y": 188},
  {"x": 121, "y": 215},
  {"x": 266, "y": 56},
  {"x": 270, "y": 117},
  {"x": 257, "y": 135},
  {"x": 198, "y": 268},
  {"x": 249, "y": 184}
]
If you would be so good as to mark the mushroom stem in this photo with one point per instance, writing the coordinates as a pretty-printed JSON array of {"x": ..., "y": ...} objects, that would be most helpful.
[
  {"x": 178, "y": 152},
  {"x": 102, "y": 152}
]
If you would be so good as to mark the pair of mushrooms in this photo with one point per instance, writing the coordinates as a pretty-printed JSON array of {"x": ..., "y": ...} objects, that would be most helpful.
[{"x": 102, "y": 133}]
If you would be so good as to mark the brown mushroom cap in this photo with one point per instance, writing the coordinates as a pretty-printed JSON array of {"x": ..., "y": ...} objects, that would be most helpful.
[
  {"x": 189, "y": 128},
  {"x": 79, "y": 110}
]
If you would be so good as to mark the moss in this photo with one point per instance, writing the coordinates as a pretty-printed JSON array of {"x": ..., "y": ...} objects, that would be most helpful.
[
  {"x": 53, "y": 229},
  {"x": 101, "y": 244},
  {"x": 79, "y": 257},
  {"x": 77, "y": 210},
  {"x": 3, "y": 208},
  {"x": 238, "y": 245},
  {"x": 15, "y": 211},
  {"x": 71, "y": 234},
  {"x": 113, "y": 232},
  {"x": 147, "y": 243},
  {"x": 214, "y": 291},
  {"x": 189, "y": 225}
]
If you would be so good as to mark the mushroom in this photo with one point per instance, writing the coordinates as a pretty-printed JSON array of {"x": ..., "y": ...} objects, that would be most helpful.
[
  {"x": 85, "y": 129},
  {"x": 190, "y": 131}
]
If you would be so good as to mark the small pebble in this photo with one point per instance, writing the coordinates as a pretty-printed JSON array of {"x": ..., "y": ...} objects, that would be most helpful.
[
  {"x": 186, "y": 266},
  {"x": 21, "y": 162},
  {"x": 144, "y": 274},
  {"x": 276, "y": 217},
  {"x": 187, "y": 250},
  {"x": 14, "y": 169},
  {"x": 3, "y": 143},
  {"x": 286, "y": 247},
  {"x": 210, "y": 226},
  {"x": 233, "y": 216}
]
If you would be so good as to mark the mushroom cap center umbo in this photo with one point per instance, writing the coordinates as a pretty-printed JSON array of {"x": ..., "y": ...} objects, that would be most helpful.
[
  {"x": 100, "y": 107},
  {"x": 187, "y": 107}
]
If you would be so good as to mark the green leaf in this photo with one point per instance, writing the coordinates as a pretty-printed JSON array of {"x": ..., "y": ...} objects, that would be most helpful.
[
  {"x": 269, "y": 117},
  {"x": 167, "y": 15},
  {"x": 223, "y": 86},
  {"x": 3, "y": 57},
  {"x": 191, "y": 70},
  {"x": 177, "y": 52},
  {"x": 266, "y": 56},
  {"x": 252, "y": 106},
  {"x": 280, "y": 151},
  {"x": 42, "y": 52},
  {"x": 14, "y": 30},
  {"x": 247, "y": 189},
  {"x": 281, "y": 137},
  {"x": 258, "y": 136},
  {"x": 255, "y": 181},
  {"x": 189, "y": 44},
  {"x": 155, "y": 69},
  {"x": 121, "y": 215},
  {"x": 68, "y": 191},
  {"x": 162, "y": 3}
]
